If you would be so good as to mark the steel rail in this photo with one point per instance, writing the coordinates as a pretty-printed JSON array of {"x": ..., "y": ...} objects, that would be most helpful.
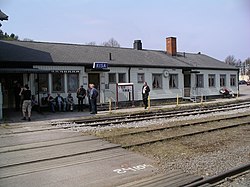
[
  {"x": 180, "y": 125},
  {"x": 143, "y": 117},
  {"x": 184, "y": 135},
  {"x": 148, "y": 114},
  {"x": 221, "y": 176}
]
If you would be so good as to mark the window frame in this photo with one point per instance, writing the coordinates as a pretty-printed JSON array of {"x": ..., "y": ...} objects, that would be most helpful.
[
  {"x": 172, "y": 78},
  {"x": 75, "y": 82},
  {"x": 159, "y": 82},
  {"x": 54, "y": 82},
  {"x": 233, "y": 81},
  {"x": 223, "y": 79},
  {"x": 211, "y": 80},
  {"x": 140, "y": 77},
  {"x": 123, "y": 77},
  {"x": 44, "y": 89},
  {"x": 199, "y": 82},
  {"x": 114, "y": 76}
]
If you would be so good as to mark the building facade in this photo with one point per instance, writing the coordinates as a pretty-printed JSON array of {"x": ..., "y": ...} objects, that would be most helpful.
[{"x": 62, "y": 68}]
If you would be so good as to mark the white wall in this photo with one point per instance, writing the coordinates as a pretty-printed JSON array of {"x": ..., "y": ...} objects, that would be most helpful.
[
  {"x": 108, "y": 90},
  {"x": 209, "y": 91}
]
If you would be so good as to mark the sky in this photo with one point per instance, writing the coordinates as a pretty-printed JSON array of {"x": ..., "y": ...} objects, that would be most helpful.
[{"x": 217, "y": 28}]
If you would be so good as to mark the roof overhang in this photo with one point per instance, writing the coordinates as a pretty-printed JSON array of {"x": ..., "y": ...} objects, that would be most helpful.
[
  {"x": 22, "y": 70},
  {"x": 96, "y": 70},
  {"x": 3, "y": 16}
]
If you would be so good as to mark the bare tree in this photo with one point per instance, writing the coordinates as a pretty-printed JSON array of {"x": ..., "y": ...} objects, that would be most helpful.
[
  {"x": 28, "y": 40},
  {"x": 231, "y": 60},
  {"x": 91, "y": 43},
  {"x": 247, "y": 62},
  {"x": 111, "y": 43},
  {"x": 247, "y": 65}
]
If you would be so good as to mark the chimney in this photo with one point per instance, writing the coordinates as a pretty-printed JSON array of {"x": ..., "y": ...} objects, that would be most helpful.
[
  {"x": 137, "y": 45},
  {"x": 171, "y": 46},
  {"x": 110, "y": 56}
]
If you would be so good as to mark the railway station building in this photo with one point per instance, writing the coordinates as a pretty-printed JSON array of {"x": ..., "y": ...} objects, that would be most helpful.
[{"x": 62, "y": 68}]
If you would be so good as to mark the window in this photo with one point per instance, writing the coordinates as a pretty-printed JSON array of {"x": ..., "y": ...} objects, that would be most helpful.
[
  {"x": 140, "y": 77},
  {"x": 211, "y": 80},
  {"x": 72, "y": 82},
  {"x": 173, "y": 81},
  {"x": 58, "y": 82},
  {"x": 122, "y": 77},
  {"x": 222, "y": 80},
  {"x": 43, "y": 83},
  {"x": 232, "y": 80},
  {"x": 112, "y": 78},
  {"x": 199, "y": 81},
  {"x": 157, "y": 81}
]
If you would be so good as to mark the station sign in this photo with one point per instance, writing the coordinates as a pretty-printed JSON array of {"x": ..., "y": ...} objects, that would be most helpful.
[{"x": 100, "y": 65}]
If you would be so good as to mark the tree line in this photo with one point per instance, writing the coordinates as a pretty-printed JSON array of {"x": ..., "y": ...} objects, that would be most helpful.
[
  {"x": 6, "y": 36},
  {"x": 244, "y": 66}
]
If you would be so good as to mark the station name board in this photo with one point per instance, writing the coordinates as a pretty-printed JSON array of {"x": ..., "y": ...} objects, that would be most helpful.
[{"x": 100, "y": 65}]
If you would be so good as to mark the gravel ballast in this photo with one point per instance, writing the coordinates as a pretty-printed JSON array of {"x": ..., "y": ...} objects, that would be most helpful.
[{"x": 204, "y": 155}]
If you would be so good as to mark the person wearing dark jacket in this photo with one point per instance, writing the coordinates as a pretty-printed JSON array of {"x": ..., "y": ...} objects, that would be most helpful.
[
  {"x": 93, "y": 98},
  {"x": 51, "y": 102},
  {"x": 26, "y": 102},
  {"x": 81, "y": 93},
  {"x": 145, "y": 93}
]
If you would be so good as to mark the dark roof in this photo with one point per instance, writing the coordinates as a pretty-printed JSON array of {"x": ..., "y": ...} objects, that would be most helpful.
[
  {"x": 3, "y": 16},
  {"x": 72, "y": 54}
]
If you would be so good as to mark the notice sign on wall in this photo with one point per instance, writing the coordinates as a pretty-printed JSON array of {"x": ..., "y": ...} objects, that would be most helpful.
[{"x": 124, "y": 89}]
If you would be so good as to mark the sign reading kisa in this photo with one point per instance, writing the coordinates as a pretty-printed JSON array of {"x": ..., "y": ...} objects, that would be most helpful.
[{"x": 100, "y": 65}]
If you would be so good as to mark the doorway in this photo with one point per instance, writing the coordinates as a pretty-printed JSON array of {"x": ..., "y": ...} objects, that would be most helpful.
[
  {"x": 9, "y": 83},
  {"x": 187, "y": 85}
]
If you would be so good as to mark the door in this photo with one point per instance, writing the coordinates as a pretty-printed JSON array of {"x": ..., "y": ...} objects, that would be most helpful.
[{"x": 187, "y": 85}]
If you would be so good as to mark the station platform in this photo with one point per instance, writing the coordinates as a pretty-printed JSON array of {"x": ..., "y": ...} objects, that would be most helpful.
[{"x": 12, "y": 117}]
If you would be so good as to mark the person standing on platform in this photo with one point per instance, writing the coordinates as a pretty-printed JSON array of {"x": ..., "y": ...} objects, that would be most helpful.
[
  {"x": 145, "y": 93},
  {"x": 26, "y": 107},
  {"x": 81, "y": 93},
  {"x": 93, "y": 99}
]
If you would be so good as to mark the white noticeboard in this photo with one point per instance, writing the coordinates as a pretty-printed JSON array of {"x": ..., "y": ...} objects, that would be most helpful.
[{"x": 124, "y": 89}]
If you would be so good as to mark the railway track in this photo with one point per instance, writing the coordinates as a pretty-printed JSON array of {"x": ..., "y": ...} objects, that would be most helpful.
[
  {"x": 106, "y": 121},
  {"x": 164, "y": 133},
  {"x": 222, "y": 176}
]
